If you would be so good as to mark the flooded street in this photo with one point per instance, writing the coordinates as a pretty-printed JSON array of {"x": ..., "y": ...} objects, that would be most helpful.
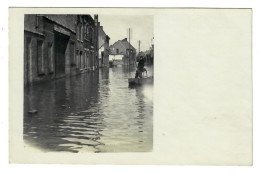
[{"x": 90, "y": 112}]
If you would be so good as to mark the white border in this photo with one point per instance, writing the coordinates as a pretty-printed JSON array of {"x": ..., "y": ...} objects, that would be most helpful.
[{"x": 7, "y": 168}]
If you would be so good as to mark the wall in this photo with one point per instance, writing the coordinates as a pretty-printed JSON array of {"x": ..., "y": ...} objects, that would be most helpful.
[
  {"x": 121, "y": 48},
  {"x": 39, "y": 62},
  {"x": 116, "y": 59},
  {"x": 67, "y": 21},
  {"x": 103, "y": 44},
  {"x": 38, "y": 49}
]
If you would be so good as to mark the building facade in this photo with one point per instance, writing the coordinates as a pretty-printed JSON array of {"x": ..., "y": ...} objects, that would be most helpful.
[
  {"x": 103, "y": 45},
  {"x": 56, "y": 46},
  {"x": 123, "y": 50},
  {"x": 148, "y": 55}
]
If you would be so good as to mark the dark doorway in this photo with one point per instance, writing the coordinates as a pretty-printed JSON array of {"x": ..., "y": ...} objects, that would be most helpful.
[
  {"x": 61, "y": 42},
  {"x": 102, "y": 58},
  {"x": 28, "y": 61}
]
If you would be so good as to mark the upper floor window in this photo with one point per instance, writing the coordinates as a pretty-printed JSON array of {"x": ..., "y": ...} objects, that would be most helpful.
[
  {"x": 85, "y": 31},
  {"x": 81, "y": 33},
  {"x": 91, "y": 34},
  {"x": 78, "y": 32}
]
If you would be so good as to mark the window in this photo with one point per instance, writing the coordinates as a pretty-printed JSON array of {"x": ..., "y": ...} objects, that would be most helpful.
[
  {"x": 50, "y": 58},
  {"x": 117, "y": 51},
  {"x": 87, "y": 34},
  {"x": 77, "y": 32},
  {"x": 85, "y": 59},
  {"x": 80, "y": 60},
  {"x": 91, "y": 35},
  {"x": 85, "y": 31},
  {"x": 77, "y": 58},
  {"x": 36, "y": 22},
  {"x": 40, "y": 63},
  {"x": 81, "y": 32},
  {"x": 72, "y": 53},
  {"x": 28, "y": 60}
]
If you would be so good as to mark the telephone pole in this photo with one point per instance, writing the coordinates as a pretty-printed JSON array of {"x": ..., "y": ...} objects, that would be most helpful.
[
  {"x": 129, "y": 49},
  {"x": 139, "y": 46}
]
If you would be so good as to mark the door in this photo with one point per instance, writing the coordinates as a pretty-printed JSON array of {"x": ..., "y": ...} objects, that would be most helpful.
[
  {"x": 28, "y": 61},
  {"x": 102, "y": 58},
  {"x": 61, "y": 42}
]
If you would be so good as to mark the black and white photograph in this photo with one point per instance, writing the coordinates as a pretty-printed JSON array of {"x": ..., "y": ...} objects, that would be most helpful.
[
  {"x": 130, "y": 86},
  {"x": 88, "y": 82}
]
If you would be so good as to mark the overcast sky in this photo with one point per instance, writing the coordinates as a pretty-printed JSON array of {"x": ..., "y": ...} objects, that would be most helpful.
[{"x": 117, "y": 28}]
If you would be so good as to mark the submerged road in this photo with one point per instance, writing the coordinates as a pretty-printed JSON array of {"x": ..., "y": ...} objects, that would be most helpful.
[{"x": 90, "y": 112}]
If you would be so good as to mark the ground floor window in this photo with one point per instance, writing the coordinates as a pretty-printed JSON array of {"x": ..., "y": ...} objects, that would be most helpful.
[
  {"x": 40, "y": 63},
  {"x": 77, "y": 58},
  {"x": 72, "y": 53},
  {"x": 50, "y": 57}
]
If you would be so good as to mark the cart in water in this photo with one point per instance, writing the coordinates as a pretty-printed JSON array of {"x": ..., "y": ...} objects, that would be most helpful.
[{"x": 141, "y": 81}]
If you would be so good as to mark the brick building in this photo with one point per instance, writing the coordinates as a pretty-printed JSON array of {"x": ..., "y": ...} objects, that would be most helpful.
[{"x": 59, "y": 45}]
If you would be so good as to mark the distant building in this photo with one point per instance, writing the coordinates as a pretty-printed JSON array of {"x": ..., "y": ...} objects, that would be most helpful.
[
  {"x": 148, "y": 55},
  {"x": 87, "y": 43},
  {"x": 152, "y": 55},
  {"x": 120, "y": 50},
  {"x": 103, "y": 47},
  {"x": 141, "y": 53},
  {"x": 59, "y": 45}
]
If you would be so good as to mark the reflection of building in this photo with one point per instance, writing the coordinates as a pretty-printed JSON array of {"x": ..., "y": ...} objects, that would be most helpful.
[
  {"x": 59, "y": 45},
  {"x": 103, "y": 46},
  {"x": 119, "y": 51}
]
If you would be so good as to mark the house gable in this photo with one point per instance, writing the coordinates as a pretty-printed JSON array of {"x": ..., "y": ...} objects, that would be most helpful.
[{"x": 118, "y": 48}]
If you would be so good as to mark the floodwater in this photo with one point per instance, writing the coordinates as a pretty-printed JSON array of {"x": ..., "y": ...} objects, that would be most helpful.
[{"x": 90, "y": 112}]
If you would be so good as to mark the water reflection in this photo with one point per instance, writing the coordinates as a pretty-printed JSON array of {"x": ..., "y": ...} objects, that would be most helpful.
[{"x": 91, "y": 112}]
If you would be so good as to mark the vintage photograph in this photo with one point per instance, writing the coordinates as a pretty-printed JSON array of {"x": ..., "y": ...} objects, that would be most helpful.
[
  {"x": 88, "y": 82},
  {"x": 85, "y": 88}
]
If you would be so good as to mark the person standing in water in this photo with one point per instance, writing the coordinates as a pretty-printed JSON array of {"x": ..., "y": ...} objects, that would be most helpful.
[{"x": 140, "y": 68}]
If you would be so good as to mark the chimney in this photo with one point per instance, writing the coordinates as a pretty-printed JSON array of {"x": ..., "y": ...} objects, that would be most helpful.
[
  {"x": 125, "y": 40},
  {"x": 96, "y": 17},
  {"x": 96, "y": 20}
]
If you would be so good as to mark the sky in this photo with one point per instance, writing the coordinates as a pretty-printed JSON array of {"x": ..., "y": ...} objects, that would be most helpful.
[{"x": 117, "y": 28}]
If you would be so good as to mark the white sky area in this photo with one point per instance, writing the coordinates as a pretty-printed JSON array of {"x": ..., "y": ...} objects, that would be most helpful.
[{"x": 117, "y": 28}]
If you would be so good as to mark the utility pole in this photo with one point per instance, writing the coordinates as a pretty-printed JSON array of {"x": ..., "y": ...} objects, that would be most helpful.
[
  {"x": 139, "y": 46},
  {"x": 129, "y": 49}
]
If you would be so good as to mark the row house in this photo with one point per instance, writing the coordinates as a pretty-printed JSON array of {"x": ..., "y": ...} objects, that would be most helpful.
[
  {"x": 56, "y": 46},
  {"x": 122, "y": 52},
  {"x": 87, "y": 43},
  {"x": 148, "y": 55},
  {"x": 103, "y": 46}
]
